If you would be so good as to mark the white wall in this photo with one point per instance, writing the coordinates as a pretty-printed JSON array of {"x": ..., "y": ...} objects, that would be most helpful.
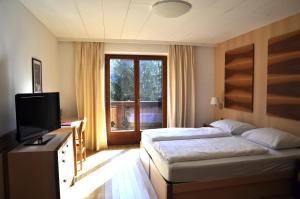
[
  {"x": 67, "y": 79},
  {"x": 204, "y": 75},
  {"x": 205, "y": 86},
  {"x": 22, "y": 37},
  {"x": 137, "y": 49},
  {"x": 66, "y": 64}
]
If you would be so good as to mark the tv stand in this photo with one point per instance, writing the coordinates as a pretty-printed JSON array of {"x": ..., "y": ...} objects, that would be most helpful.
[
  {"x": 42, "y": 171},
  {"x": 40, "y": 140}
]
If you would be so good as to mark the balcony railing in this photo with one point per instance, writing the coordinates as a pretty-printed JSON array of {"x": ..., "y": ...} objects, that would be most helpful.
[{"x": 122, "y": 115}]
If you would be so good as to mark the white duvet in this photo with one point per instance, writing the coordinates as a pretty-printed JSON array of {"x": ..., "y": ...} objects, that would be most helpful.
[
  {"x": 204, "y": 149},
  {"x": 164, "y": 134}
]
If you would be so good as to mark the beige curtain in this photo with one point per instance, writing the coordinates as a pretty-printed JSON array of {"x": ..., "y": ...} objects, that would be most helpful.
[
  {"x": 90, "y": 86},
  {"x": 181, "y": 86}
]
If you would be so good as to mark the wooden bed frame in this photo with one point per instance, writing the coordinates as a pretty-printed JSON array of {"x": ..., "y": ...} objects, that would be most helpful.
[{"x": 275, "y": 185}]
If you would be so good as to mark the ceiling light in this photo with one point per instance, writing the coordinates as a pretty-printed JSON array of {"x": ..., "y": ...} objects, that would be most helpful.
[{"x": 171, "y": 8}]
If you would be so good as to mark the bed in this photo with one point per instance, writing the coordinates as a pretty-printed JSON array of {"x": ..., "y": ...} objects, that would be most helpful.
[
  {"x": 262, "y": 175},
  {"x": 165, "y": 134}
]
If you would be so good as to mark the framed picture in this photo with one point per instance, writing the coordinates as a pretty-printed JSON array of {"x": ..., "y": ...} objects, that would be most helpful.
[{"x": 37, "y": 76}]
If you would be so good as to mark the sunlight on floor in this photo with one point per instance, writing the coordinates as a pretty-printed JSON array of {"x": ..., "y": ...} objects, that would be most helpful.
[{"x": 108, "y": 167}]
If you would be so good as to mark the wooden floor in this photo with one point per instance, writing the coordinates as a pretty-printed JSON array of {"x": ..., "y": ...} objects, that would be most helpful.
[{"x": 115, "y": 173}]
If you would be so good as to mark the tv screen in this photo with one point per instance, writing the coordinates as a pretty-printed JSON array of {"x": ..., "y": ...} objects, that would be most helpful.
[{"x": 36, "y": 114}]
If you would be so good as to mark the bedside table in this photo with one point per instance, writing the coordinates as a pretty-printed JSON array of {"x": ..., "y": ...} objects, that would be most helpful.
[{"x": 206, "y": 125}]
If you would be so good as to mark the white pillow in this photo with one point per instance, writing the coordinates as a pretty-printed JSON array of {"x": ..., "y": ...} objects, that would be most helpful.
[
  {"x": 232, "y": 126},
  {"x": 272, "y": 138}
]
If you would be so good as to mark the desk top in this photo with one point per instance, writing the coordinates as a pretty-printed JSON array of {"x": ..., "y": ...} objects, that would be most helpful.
[{"x": 67, "y": 124}]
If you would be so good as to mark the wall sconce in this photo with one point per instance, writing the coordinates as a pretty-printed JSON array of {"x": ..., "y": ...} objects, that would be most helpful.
[{"x": 215, "y": 101}]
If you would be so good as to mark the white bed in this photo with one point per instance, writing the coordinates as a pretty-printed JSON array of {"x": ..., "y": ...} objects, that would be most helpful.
[
  {"x": 204, "y": 149},
  {"x": 164, "y": 134},
  {"x": 222, "y": 168},
  {"x": 264, "y": 172},
  {"x": 219, "y": 128}
]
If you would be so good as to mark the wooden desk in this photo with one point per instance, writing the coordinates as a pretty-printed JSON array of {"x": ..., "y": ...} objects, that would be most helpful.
[{"x": 73, "y": 127}]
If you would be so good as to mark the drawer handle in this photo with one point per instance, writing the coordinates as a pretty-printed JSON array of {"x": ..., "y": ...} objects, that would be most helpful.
[
  {"x": 64, "y": 180},
  {"x": 67, "y": 145},
  {"x": 63, "y": 152},
  {"x": 63, "y": 161}
]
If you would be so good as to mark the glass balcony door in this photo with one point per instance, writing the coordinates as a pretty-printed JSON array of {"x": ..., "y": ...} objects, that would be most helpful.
[
  {"x": 151, "y": 94},
  {"x": 135, "y": 96},
  {"x": 122, "y": 99}
]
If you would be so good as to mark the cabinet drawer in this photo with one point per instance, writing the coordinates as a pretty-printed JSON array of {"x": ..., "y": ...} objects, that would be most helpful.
[
  {"x": 66, "y": 172},
  {"x": 65, "y": 166},
  {"x": 66, "y": 161},
  {"x": 67, "y": 147}
]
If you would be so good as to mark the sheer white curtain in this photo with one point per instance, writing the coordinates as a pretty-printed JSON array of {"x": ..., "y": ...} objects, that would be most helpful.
[
  {"x": 90, "y": 90},
  {"x": 181, "y": 86}
]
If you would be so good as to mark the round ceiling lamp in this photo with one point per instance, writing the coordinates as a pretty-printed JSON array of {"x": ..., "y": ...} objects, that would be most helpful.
[{"x": 171, "y": 8}]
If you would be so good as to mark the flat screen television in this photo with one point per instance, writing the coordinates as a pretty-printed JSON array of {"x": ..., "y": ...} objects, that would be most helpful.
[{"x": 36, "y": 114}]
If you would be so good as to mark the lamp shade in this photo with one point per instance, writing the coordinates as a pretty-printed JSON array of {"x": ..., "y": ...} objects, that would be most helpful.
[
  {"x": 171, "y": 8},
  {"x": 214, "y": 101}
]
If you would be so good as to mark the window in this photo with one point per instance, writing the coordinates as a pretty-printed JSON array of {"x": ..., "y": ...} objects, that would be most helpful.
[{"x": 135, "y": 96}]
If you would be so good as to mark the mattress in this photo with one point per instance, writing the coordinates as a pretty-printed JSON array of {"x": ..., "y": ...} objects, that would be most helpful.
[
  {"x": 205, "y": 149},
  {"x": 223, "y": 168},
  {"x": 164, "y": 134}
]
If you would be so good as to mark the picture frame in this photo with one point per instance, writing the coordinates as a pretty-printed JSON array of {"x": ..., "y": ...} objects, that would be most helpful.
[{"x": 37, "y": 86}]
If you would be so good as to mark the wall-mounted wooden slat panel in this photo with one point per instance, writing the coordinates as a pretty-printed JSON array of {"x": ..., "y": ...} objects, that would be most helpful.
[
  {"x": 239, "y": 70},
  {"x": 229, "y": 73},
  {"x": 245, "y": 82},
  {"x": 285, "y": 43},
  {"x": 283, "y": 57},
  {"x": 280, "y": 99},
  {"x": 279, "y": 68},
  {"x": 283, "y": 96},
  {"x": 238, "y": 64},
  {"x": 285, "y": 89},
  {"x": 233, "y": 88},
  {"x": 238, "y": 105},
  {"x": 281, "y": 79},
  {"x": 286, "y": 111}
]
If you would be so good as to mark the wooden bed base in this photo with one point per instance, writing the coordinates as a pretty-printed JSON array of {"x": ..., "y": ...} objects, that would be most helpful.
[{"x": 275, "y": 185}]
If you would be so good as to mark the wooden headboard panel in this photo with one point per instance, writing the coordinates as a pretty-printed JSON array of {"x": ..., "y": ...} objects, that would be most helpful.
[
  {"x": 283, "y": 98},
  {"x": 239, "y": 70},
  {"x": 260, "y": 37}
]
